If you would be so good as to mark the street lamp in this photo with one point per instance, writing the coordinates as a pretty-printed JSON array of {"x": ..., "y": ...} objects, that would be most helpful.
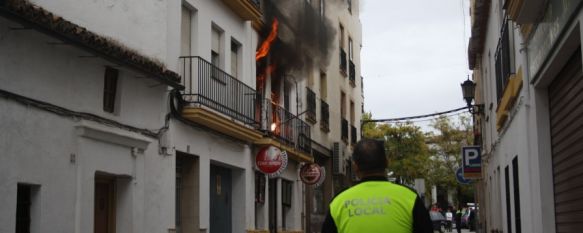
[{"x": 468, "y": 91}]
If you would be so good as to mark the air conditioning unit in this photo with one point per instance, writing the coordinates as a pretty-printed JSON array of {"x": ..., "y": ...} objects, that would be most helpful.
[{"x": 338, "y": 167}]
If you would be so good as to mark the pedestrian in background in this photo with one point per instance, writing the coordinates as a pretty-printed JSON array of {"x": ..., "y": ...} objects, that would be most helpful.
[
  {"x": 448, "y": 219},
  {"x": 458, "y": 220},
  {"x": 375, "y": 204}
]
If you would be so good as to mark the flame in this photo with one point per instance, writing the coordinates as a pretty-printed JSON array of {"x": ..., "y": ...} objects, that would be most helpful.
[{"x": 266, "y": 45}]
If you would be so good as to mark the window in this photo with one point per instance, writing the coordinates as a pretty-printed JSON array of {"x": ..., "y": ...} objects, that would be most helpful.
[
  {"x": 259, "y": 187},
  {"x": 235, "y": 60},
  {"x": 110, "y": 89},
  {"x": 26, "y": 212},
  {"x": 504, "y": 58},
  {"x": 323, "y": 86},
  {"x": 350, "y": 51},
  {"x": 341, "y": 36},
  {"x": 286, "y": 193},
  {"x": 185, "y": 32},
  {"x": 216, "y": 47},
  {"x": 342, "y": 104},
  {"x": 351, "y": 112}
]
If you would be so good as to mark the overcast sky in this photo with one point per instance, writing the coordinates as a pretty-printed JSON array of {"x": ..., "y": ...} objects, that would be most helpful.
[{"x": 414, "y": 56}]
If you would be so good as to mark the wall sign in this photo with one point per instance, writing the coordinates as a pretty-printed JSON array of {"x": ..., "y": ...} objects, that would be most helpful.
[
  {"x": 271, "y": 161},
  {"x": 471, "y": 162},
  {"x": 311, "y": 173}
]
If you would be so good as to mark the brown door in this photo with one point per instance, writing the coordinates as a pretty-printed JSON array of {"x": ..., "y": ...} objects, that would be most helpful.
[
  {"x": 104, "y": 206},
  {"x": 566, "y": 115}
]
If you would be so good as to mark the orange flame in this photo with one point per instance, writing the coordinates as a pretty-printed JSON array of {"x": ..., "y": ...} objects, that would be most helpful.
[{"x": 266, "y": 45}]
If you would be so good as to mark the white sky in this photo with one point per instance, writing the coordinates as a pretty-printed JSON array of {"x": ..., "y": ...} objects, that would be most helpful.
[{"x": 414, "y": 56}]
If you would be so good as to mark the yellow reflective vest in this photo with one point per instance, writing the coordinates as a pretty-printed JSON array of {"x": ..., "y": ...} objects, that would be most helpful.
[{"x": 374, "y": 206}]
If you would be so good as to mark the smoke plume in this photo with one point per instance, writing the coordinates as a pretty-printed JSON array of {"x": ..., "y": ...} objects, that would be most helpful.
[{"x": 305, "y": 37}]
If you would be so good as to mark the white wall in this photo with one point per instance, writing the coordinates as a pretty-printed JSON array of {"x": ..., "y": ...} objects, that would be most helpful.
[
  {"x": 137, "y": 24},
  {"x": 62, "y": 154},
  {"x": 205, "y": 14}
]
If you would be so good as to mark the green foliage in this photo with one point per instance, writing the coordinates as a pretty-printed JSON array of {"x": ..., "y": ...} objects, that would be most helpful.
[
  {"x": 434, "y": 156},
  {"x": 405, "y": 147},
  {"x": 445, "y": 145}
]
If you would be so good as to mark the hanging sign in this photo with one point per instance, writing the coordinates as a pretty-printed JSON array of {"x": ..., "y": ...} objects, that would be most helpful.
[
  {"x": 311, "y": 173},
  {"x": 471, "y": 162},
  {"x": 271, "y": 161}
]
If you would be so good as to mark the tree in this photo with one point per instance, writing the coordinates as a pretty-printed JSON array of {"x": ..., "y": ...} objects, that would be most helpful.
[
  {"x": 405, "y": 147},
  {"x": 445, "y": 145}
]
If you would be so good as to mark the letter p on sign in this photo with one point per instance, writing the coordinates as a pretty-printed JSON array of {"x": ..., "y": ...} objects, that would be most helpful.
[{"x": 472, "y": 162}]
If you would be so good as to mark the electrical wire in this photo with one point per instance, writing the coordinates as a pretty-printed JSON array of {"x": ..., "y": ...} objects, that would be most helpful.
[
  {"x": 414, "y": 117},
  {"x": 61, "y": 111}
]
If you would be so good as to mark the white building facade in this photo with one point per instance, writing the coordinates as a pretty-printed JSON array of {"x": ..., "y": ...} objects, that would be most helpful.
[
  {"x": 526, "y": 58},
  {"x": 80, "y": 115},
  {"x": 147, "y": 116}
]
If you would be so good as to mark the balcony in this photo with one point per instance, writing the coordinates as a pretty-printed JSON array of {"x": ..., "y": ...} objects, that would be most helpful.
[
  {"x": 247, "y": 10},
  {"x": 344, "y": 129},
  {"x": 292, "y": 133},
  {"x": 311, "y": 111},
  {"x": 523, "y": 12},
  {"x": 343, "y": 61},
  {"x": 217, "y": 100},
  {"x": 353, "y": 135},
  {"x": 352, "y": 74},
  {"x": 324, "y": 116}
]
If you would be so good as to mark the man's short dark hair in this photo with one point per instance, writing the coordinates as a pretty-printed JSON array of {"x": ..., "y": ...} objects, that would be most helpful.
[{"x": 369, "y": 155}]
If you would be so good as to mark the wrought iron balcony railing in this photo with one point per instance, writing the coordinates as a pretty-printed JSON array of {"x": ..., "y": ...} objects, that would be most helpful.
[
  {"x": 311, "y": 111},
  {"x": 344, "y": 129},
  {"x": 209, "y": 86},
  {"x": 342, "y": 61},
  {"x": 352, "y": 73},
  {"x": 353, "y": 135},
  {"x": 324, "y": 116},
  {"x": 287, "y": 127},
  {"x": 257, "y": 3}
]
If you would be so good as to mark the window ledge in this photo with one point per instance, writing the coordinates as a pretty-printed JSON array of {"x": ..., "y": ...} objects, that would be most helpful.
[{"x": 112, "y": 135}]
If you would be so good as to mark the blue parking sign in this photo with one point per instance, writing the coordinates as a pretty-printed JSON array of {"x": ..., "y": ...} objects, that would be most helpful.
[{"x": 472, "y": 162}]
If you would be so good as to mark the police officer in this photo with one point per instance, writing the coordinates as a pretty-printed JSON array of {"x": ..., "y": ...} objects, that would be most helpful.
[{"x": 375, "y": 204}]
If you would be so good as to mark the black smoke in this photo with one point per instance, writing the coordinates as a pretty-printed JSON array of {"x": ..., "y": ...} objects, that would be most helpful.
[{"x": 305, "y": 37}]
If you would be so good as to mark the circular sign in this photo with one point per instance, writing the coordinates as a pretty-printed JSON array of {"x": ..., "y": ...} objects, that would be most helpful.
[
  {"x": 459, "y": 175},
  {"x": 271, "y": 161},
  {"x": 310, "y": 173}
]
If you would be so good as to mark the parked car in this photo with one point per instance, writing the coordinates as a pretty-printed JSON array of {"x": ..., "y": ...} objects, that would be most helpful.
[{"x": 438, "y": 220}]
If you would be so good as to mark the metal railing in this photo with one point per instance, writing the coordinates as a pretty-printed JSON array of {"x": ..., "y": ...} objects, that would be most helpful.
[
  {"x": 324, "y": 116},
  {"x": 344, "y": 129},
  {"x": 288, "y": 128},
  {"x": 311, "y": 99},
  {"x": 353, "y": 135},
  {"x": 209, "y": 86},
  {"x": 342, "y": 60},
  {"x": 352, "y": 73},
  {"x": 256, "y": 2}
]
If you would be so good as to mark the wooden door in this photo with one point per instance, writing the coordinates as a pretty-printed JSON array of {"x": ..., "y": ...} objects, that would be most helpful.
[
  {"x": 104, "y": 206},
  {"x": 220, "y": 197}
]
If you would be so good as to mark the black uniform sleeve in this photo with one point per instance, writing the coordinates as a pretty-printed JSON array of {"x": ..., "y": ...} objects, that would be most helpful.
[
  {"x": 329, "y": 226},
  {"x": 421, "y": 221}
]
